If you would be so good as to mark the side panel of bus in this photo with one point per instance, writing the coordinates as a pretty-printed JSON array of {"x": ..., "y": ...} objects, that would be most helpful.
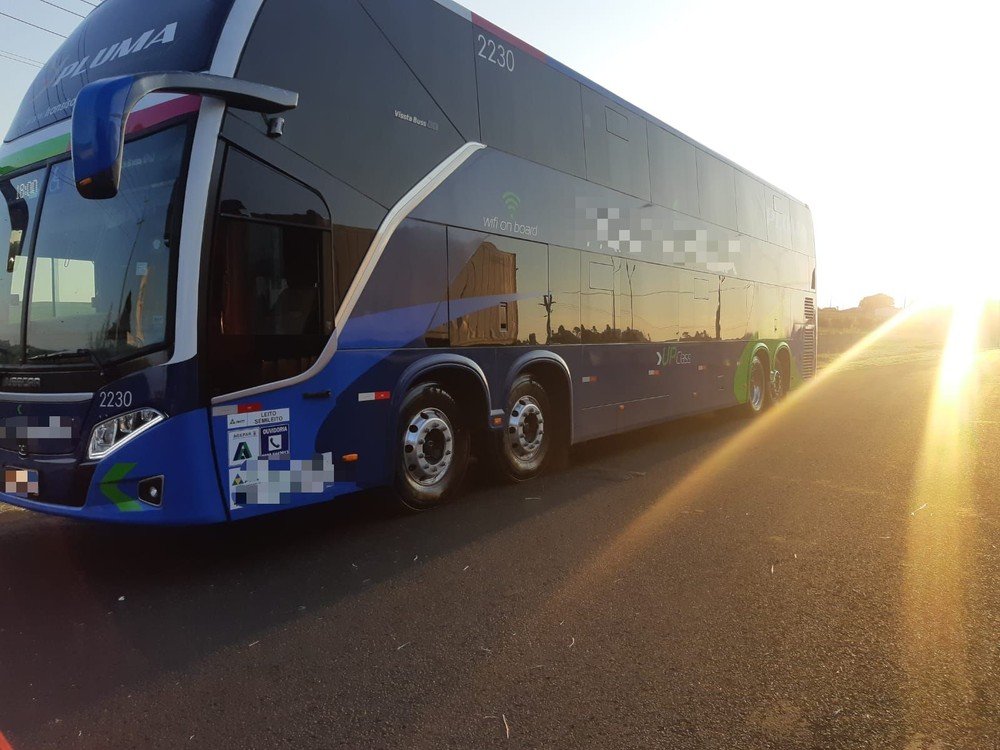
[{"x": 645, "y": 266}]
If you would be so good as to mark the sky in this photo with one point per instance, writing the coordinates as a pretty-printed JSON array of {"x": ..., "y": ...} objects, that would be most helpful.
[{"x": 883, "y": 116}]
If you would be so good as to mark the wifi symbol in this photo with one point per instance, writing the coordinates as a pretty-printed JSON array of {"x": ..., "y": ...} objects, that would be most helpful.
[{"x": 513, "y": 202}]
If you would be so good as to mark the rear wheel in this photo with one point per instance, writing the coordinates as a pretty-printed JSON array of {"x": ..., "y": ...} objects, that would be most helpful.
[
  {"x": 757, "y": 384},
  {"x": 780, "y": 379},
  {"x": 522, "y": 449},
  {"x": 432, "y": 448}
]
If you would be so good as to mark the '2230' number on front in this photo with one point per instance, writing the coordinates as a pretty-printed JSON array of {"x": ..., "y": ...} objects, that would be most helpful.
[
  {"x": 496, "y": 53},
  {"x": 116, "y": 399}
]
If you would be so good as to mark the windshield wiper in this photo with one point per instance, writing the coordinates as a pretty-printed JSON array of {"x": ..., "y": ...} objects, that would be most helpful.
[{"x": 69, "y": 354}]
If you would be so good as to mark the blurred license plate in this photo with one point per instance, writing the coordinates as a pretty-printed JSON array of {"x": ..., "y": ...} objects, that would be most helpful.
[{"x": 23, "y": 482}]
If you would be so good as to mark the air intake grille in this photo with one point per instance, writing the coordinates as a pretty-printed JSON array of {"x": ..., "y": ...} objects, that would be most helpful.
[{"x": 809, "y": 341}]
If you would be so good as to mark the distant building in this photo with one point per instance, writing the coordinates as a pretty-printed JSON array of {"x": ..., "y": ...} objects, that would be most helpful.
[
  {"x": 872, "y": 312},
  {"x": 877, "y": 302}
]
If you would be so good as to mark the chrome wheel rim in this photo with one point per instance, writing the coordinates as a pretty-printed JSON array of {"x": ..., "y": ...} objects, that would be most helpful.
[
  {"x": 428, "y": 447},
  {"x": 778, "y": 385},
  {"x": 757, "y": 383},
  {"x": 526, "y": 429}
]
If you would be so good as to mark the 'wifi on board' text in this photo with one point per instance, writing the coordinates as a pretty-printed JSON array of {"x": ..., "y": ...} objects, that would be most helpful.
[{"x": 496, "y": 224}]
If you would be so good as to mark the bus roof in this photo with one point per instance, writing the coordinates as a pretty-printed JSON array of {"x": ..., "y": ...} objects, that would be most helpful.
[{"x": 534, "y": 52}]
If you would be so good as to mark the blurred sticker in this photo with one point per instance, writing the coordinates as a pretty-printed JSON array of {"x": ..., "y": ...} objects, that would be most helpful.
[
  {"x": 240, "y": 482},
  {"x": 277, "y": 482},
  {"x": 141, "y": 269}
]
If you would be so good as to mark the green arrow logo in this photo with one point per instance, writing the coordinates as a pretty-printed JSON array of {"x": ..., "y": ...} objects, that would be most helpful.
[{"x": 111, "y": 490}]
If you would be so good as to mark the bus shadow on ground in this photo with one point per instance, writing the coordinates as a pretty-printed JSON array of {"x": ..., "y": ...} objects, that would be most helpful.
[{"x": 112, "y": 605}]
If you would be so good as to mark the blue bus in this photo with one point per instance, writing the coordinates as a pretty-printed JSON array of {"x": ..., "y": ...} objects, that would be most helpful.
[{"x": 266, "y": 253}]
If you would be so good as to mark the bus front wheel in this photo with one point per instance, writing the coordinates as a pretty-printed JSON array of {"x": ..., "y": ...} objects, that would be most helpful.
[
  {"x": 522, "y": 448},
  {"x": 433, "y": 448}
]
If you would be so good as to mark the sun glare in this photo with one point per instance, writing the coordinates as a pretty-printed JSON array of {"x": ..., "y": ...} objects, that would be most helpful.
[
  {"x": 615, "y": 554},
  {"x": 935, "y": 645}
]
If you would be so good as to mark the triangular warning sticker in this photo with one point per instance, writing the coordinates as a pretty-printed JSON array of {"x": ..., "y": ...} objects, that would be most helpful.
[
  {"x": 238, "y": 481},
  {"x": 243, "y": 453}
]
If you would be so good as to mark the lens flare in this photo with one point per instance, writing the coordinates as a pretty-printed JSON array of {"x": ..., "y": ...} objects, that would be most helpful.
[
  {"x": 638, "y": 533},
  {"x": 939, "y": 689}
]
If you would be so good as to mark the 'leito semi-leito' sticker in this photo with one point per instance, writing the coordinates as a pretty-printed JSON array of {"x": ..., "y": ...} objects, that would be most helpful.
[{"x": 257, "y": 418}]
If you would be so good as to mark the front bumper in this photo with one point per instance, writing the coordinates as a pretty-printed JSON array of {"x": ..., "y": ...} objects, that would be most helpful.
[{"x": 177, "y": 449}]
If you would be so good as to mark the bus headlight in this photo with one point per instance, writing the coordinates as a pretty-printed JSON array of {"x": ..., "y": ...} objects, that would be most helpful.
[{"x": 114, "y": 432}]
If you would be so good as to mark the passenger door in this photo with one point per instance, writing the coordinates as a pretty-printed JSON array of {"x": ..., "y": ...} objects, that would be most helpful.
[{"x": 271, "y": 307}]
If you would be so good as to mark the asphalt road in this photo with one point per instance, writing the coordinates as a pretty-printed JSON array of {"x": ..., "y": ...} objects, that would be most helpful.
[{"x": 826, "y": 578}]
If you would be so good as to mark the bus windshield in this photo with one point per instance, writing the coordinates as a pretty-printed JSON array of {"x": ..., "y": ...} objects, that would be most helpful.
[{"x": 100, "y": 279}]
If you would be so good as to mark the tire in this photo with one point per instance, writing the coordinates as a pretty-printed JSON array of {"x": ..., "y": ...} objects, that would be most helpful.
[
  {"x": 432, "y": 449},
  {"x": 758, "y": 385},
  {"x": 522, "y": 449},
  {"x": 781, "y": 379}
]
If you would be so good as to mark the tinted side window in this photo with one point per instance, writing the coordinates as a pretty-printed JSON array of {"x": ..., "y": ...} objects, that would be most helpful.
[
  {"x": 648, "y": 302},
  {"x": 271, "y": 300},
  {"x": 405, "y": 301},
  {"x": 779, "y": 222},
  {"x": 673, "y": 171},
  {"x": 735, "y": 303},
  {"x": 363, "y": 115},
  {"x": 802, "y": 229},
  {"x": 597, "y": 299},
  {"x": 269, "y": 313},
  {"x": 795, "y": 269},
  {"x": 617, "y": 155},
  {"x": 699, "y": 307},
  {"x": 564, "y": 295},
  {"x": 498, "y": 290},
  {"x": 528, "y": 108},
  {"x": 350, "y": 246},
  {"x": 435, "y": 42},
  {"x": 17, "y": 219},
  {"x": 750, "y": 212},
  {"x": 768, "y": 312},
  {"x": 252, "y": 190},
  {"x": 717, "y": 190}
]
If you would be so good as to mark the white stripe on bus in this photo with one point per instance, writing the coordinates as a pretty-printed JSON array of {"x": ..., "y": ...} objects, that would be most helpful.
[{"x": 393, "y": 219}]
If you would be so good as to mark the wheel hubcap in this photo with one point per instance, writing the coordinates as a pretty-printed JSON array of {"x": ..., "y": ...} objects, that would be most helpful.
[
  {"x": 778, "y": 386},
  {"x": 757, "y": 385},
  {"x": 526, "y": 428},
  {"x": 428, "y": 447}
]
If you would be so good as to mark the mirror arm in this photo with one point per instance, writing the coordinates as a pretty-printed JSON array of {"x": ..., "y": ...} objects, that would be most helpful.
[{"x": 102, "y": 108}]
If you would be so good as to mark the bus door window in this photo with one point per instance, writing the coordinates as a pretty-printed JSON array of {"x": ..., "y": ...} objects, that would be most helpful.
[{"x": 272, "y": 299}]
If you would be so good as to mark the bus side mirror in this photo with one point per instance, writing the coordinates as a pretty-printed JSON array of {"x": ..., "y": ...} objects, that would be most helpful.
[{"x": 101, "y": 112}]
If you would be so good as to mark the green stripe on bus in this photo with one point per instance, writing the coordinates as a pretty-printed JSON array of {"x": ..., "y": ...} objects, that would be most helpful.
[{"x": 38, "y": 152}]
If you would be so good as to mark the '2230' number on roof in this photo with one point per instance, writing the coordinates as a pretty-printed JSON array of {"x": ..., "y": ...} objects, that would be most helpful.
[{"x": 495, "y": 53}]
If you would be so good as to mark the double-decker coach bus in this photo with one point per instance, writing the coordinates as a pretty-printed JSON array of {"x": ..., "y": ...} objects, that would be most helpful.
[{"x": 264, "y": 253}]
